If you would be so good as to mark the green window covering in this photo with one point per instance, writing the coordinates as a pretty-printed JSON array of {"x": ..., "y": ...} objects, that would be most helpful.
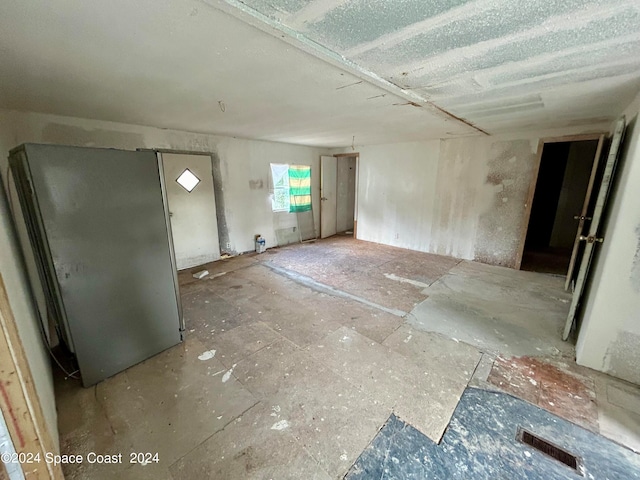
[{"x": 299, "y": 188}]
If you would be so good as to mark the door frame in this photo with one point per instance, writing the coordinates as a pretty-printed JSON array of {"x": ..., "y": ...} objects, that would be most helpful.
[
  {"x": 357, "y": 183},
  {"x": 323, "y": 198},
  {"x": 534, "y": 182},
  {"x": 19, "y": 403},
  {"x": 223, "y": 229}
]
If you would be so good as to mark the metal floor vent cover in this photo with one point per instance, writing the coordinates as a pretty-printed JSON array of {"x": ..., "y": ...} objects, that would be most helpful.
[{"x": 570, "y": 460}]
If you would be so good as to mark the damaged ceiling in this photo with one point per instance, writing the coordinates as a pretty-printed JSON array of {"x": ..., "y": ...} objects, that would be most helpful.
[{"x": 325, "y": 72}]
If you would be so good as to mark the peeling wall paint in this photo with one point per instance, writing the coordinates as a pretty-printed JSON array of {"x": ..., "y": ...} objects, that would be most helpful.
[{"x": 500, "y": 229}]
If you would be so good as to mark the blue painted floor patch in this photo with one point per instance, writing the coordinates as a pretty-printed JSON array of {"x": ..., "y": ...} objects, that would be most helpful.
[{"x": 480, "y": 443}]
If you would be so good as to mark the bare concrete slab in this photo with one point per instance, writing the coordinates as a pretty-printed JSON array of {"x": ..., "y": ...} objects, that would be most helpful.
[
  {"x": 175, "y": 395},
  {"x": 618, "y": 410},
  {"x": 498, "y": 310},
  {"x": 442, "y": 356},
  {"x": 333, "y": 419},
  {"x": 417, "y": 395},
  {"x": 392, "y": 277},
  {"x": 240, "y": 342},
  {"x": 257, "y": 445}
]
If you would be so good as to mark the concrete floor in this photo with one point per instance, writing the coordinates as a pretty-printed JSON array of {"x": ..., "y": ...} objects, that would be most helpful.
[{"x": 294, "y": 359}]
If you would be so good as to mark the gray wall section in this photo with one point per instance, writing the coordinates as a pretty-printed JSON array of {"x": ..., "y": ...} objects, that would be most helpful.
[
  {"x": 346, "y": 193},
  {"x": 501, "y": 226},
  {"x": 221, "y": 213}
]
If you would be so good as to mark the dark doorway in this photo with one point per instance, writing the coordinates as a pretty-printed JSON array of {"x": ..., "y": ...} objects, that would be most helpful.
[{"x": 561, "y": 188}]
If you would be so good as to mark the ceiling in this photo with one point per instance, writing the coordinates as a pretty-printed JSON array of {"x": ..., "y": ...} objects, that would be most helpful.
[{"x": 325, "y": 72}]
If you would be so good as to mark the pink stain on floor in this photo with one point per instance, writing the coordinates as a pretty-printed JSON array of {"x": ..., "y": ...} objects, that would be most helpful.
[{"x": 560, "y": 389}]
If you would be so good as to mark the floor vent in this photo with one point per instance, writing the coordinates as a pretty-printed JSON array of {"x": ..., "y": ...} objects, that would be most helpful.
[{"x": 551, "y": 450}]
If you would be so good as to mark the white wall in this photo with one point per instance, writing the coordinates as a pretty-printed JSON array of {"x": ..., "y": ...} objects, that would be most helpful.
[
  {"x": 244, "y": 163},
  {"x": 459, "y": 197},
  {"x": 609, "y": 338}
]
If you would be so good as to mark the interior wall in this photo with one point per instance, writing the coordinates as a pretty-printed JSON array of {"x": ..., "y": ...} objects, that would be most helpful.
[
  {"x": 244, "y": 164},
  {"x": 460, "y": 197},
  {"x": 345, "y": 193},
  {"x": 609, "y": 336}
]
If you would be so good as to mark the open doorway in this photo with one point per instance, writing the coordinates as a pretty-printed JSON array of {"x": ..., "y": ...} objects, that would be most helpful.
[
  {"x": 339, "y": 195},
  {"x": 346, "y": 195},
  {"x": 565, "y": 179}
]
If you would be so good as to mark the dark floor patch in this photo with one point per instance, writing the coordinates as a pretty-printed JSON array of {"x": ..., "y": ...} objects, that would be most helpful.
[
  {"x": 480, "y": 443},
  {"x": 375, "y": 272},
  {"x": 550, "y": 260},
  {"x": 561, "y": 389}
]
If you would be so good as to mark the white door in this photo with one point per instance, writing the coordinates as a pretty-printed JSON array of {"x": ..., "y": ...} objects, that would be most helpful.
[
  {"x": 328, "y": 197},
  {"x": 583, "y": 218},
  {"x": 592, "y": 238},
  {"x": 194, "y": 224}
]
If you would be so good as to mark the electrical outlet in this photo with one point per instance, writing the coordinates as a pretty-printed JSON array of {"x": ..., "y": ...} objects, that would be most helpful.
[{"x": 228, "y": 245}]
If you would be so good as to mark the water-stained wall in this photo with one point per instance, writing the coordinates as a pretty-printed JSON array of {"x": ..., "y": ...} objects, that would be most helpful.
[
  {"x": 459, "y": 197},
  {"x": 501, "y": 226}
]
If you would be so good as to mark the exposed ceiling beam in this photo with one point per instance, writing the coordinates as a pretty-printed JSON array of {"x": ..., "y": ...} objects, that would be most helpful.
[{"x": 294, "y": 38}]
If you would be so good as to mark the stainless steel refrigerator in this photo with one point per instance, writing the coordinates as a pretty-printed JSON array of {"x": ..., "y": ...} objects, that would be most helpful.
[{"x": 98, "y": 225}]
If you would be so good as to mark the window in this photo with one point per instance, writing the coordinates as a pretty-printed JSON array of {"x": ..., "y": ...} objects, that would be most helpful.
[
  {"x": 188, "y": 180},
  {"x": 280, "y": 198},
  {"x": 291, "y": 188}
]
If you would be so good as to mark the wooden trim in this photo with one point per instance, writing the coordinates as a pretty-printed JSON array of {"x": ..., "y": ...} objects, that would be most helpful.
[
  {"x": 175, "y": 152},
  {"x": 527, "y": 206},
  {"x": 354, "y": 154},
  {"x": 574, "y": 138},
  {"x": 19, "y": 401},
  {"x": 356, "y": 198},
  {"x": 534, "y": 181}
]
